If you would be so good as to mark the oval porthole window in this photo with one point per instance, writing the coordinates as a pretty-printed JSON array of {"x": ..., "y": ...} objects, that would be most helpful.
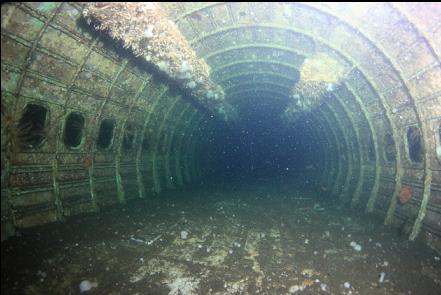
[
  {"x": 415, "y": 144},
  {"x": 389, "y": 148},
  {"x": 105, "y": 134},
  {"x": 30, "y": 133},
  {"x": 73, "y": 130},
  {"x": 129, "y": 136}
]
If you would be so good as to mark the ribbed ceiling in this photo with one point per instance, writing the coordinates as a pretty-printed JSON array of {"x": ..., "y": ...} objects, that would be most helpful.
[
  {"x": 256, "y": 49},
  {"x": 108, "y": 103},
  {"x": 365, "y": 125},
  {"x": 256, "y": 52}
]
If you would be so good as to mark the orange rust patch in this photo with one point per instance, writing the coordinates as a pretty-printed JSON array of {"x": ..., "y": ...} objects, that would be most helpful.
[
  {"x": 307, "y": 283},
  {"x": 405, "y": 194},
  {"x": 87, "y": 162}
]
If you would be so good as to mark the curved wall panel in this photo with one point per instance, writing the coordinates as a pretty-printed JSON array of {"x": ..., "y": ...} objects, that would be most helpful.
[{"x": 360, "y": 129}]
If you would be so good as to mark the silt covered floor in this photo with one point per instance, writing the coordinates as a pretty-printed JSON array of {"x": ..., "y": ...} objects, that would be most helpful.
[{"x": 267, "y": 237}]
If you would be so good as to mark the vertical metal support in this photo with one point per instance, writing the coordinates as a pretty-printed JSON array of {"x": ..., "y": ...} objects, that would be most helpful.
[
  {"x": 361, "y": 177},
  {"x": 192, "y": 150},
  {"x": 119, "y": 185},
  {"x": 350, "y": 152},
  {"x": 427, "y": 176},
  {"x": 156, "y": 181},
  {"x": 168, "y": 155},
  {"x": 423, "y": 208},
  {"x": 187, "y": 168},
  {"x": 178, "y": 152},
  {"x": 378, "y": 167},
  {"x": 118, "y": 158},
  {"x": 335, "y": 188},
  {"x": 336, "y": 164},
  {"x": 318, "y": 134},
  {"x": 139, "y": 177},
  {"x": 118, "y": 180},
  {"x": 56, "y": 186}
]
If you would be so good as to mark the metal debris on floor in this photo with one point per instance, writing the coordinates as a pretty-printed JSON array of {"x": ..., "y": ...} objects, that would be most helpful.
[{"x": 189, "y": 244}]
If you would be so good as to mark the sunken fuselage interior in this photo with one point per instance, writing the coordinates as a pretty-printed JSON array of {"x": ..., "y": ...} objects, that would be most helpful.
[{"x": 221, "y": 148}]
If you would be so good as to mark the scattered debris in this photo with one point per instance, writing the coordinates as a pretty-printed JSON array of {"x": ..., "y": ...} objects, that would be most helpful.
[
  {"x": 324, "y": 287},
  {"x": 184, "y": 235},
  {"x": 432, "y": 272},
  {"x": 331, "y": 251},
  {"x": 236, "y": 244},
  {"x": 307, "y": 283},
  {"x": 237, "y": 287},
  {"x": 318, "y": 208},
  {"x": 382, "y": 275},
  {"x": 137, "y": 240},
  {"x": 308, "y": 272},
  {"x": 87, "y": 285},
  {"x": 355, "y": 246},
  {"x": 199, "y": 262},
  {"x": 295, "y": 288},
  {"x": 183, "y": 285}
]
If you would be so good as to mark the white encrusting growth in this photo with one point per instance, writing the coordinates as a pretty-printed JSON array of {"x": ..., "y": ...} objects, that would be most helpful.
[
  {"x": 355, "y": 246},
  {"x": 87, "y": 285},
  {"x": 184, "y": 235}
]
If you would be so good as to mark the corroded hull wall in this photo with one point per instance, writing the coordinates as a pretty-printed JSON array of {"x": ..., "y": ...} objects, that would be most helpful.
[
  {"x": 393, "y": 51},
  {"x": 255, "y": 50},
  {"x": 51, "y": 58}
]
